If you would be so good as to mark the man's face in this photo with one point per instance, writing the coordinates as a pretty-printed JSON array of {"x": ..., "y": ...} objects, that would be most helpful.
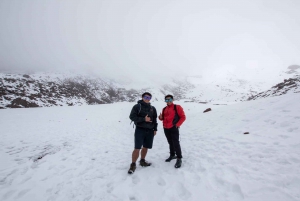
[
  {"x": 169, "y": 100},
  {"x": 146, "y": 98}
]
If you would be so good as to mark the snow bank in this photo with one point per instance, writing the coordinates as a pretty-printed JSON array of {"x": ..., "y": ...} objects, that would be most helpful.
[{"x": 83, "y": 153}]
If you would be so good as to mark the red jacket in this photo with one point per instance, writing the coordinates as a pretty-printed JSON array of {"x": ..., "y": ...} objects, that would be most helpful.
[{"x": 169, "y": 114}]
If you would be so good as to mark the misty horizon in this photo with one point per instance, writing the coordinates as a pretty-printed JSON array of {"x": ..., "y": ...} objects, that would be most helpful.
[{"x": 154, "y": 40}]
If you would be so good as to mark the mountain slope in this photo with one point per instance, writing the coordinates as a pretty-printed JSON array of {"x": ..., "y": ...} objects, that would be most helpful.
[
  {"x": 44, "y": 90},
  {"x": 52, "y": 89},
  {"x": 291, "y": 85}
]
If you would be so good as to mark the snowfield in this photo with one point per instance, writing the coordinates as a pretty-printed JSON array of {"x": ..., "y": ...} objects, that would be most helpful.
[{"x": 83, "y": 153}]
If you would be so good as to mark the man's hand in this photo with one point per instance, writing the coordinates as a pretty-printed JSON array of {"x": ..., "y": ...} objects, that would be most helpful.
[
  {"x": 147, "y": 119},
  {"x": 160, "y": 116},
  {"x": 155, "y": 133}
]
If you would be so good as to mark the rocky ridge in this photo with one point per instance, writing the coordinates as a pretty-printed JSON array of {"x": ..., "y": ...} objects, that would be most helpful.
[
  {"x": 47, "y": 90},
  {"x": 23, "y": 91},
  {"x": 50, "y": 89},
  {"x": 291, "y": 85}
]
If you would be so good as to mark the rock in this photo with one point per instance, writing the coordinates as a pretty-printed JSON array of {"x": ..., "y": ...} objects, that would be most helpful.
[
  {"x": 19, "y": 103},
  {"x": 92, "y": 101},
  {"x": 26, "y": 76},
  {"x": 207, "y": 110},
  {"x": 246, "y": 133}
]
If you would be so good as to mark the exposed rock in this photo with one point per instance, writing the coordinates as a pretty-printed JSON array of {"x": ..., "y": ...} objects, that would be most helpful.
[
  {"x": 291, "y": 84},
  {"x": 26, "y": 76},
  {"x": 93, "y": 101},
  {"x": 20, "y": 103},
  {"x": 22, "y": 91},
  {"x": 207, "y": 110}
]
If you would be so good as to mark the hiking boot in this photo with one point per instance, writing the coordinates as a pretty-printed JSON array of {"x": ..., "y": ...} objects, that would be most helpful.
[
  {"x": 178, "y": 163},
  {"x": 144, "y": 163},
  {"x": 170, "y": 158},
  {"x": 132, "y": 168}
]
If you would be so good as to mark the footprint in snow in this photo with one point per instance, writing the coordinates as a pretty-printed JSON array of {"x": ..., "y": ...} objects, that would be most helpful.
[
  {"x": 22, "y": 193},
  {"x": 132, "y": 198},
  {"x": 236, "y": 189},
  {"x": 284, "y": 124},
  {"x": 135, "y": 179},
  {"x": 284, "y": 136},
  {"x": 8, "y": 194},
  {"x": 292, "y": 129},
  {"x": 161, "y": 181},
  {"x": 183, "y": 193},
  {"x": 110, "y": 187},
  {"x": 88, "y": 198},
  {"x": 24, "y": 170}
]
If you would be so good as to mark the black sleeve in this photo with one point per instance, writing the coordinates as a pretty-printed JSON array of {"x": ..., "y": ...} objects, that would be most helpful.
[
  {"x": 134, "y": 115},
  {"x": 154, "y": 119}
]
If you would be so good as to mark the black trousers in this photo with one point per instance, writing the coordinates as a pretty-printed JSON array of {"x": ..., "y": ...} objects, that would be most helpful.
[{"x": 172, "y": 135}]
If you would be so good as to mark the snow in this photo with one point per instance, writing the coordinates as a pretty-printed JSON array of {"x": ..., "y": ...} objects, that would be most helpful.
[{"x": 83, "y": 153}]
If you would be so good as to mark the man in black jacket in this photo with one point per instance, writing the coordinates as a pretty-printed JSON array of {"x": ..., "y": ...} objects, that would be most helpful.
[{"x": 144, "y": 117}]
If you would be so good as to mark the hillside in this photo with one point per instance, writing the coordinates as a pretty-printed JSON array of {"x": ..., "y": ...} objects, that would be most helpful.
[
  {"x": 54, "y": 89},
  {"x": 44, "y": 90},
  {"x": 291, "y": 85}
]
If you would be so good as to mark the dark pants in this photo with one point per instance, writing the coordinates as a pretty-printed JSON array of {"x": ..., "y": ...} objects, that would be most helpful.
[
  {"x": 172, "y": 135},
  {"x": 143, "y": 137}
]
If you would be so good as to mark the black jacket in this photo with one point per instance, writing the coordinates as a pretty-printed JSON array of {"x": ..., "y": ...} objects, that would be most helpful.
[{"x": 140, "y": 111}]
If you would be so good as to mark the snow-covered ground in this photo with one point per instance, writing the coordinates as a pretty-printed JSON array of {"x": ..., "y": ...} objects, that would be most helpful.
[{"x": 83, "y": 153}]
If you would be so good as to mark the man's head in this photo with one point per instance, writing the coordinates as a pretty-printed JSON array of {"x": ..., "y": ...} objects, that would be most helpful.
[
  {"x": 169, "y": 99},
  {"x": 146, "y": 97}
]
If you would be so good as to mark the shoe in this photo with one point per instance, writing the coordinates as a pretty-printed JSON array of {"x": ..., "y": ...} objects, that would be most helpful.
[
  {"x": 132, "y": 168},
  {"x": 144, "y": 163},
  {"x": 170, "y": 158},
  {"x": 178, "y": 163}
]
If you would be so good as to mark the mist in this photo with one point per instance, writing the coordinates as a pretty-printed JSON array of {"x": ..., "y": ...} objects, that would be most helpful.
[{"x": 149, "y": 41}]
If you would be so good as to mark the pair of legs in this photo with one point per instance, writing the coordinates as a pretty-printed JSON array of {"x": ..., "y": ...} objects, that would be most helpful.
[
  {"x": 143, "y": 140},
  {"x": 172, "y": 135},
  {"x": 136, "y": 154}
]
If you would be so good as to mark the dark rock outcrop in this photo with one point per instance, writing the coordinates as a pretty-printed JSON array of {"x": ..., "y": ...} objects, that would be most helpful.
[
  {"x": 23, "y": 91},
  {"x": 291, "y": 84},
  {"x": 207, "y": 110},
  {"x": 21, "y": 103}
]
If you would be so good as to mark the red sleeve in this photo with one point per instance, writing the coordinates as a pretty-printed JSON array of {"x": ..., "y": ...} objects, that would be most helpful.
[{"x": 181, "y": 115}]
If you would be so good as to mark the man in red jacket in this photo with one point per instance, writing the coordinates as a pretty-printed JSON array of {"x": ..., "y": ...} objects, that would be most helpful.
[{"x": 172, "y": 116}]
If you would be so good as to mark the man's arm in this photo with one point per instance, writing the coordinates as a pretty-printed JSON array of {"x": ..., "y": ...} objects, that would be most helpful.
[
  {"x": 134, "y": 115},
  {"x": 154, "y": 120},
  {"x": 181, "y": 115},
  {"x": 160, "y": 117}
]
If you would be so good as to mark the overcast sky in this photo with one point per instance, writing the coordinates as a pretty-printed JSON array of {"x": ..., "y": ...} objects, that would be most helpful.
[{"x": 133, "y": 38}]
